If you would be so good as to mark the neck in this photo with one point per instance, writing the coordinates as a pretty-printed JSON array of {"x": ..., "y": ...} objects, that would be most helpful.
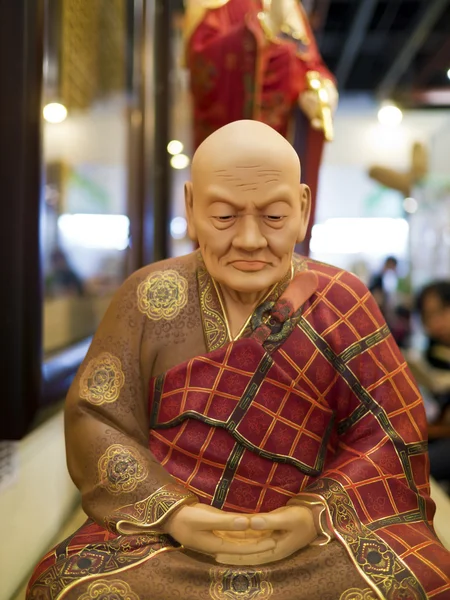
[
  {"x": 238, "y": 308},
  {"x": 246, "y": 299}
]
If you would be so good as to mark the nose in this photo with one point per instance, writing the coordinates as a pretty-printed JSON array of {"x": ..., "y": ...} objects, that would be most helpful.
[{"x": 248, "y": 235}]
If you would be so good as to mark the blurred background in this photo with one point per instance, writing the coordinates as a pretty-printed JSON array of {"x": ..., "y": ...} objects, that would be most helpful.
[{"x": 96, "y": 142}]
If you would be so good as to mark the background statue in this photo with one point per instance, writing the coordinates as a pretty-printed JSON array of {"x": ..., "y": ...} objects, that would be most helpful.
[
  {"x": 403, "y": 181},
  {"x": 253, "y": 59}
]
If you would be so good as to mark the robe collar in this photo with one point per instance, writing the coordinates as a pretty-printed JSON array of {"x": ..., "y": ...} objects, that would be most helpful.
[{"x": 216, "y": 329}]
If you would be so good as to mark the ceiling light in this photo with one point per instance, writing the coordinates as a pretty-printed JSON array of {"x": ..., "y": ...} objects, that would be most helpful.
[
  {"x": 180, "y": 161},
  {"x": 390, "y": 115},
  {"x": 175, "y": 147},
  {"x": 54, "y": 112},
  {"x": 448, "y": 73}
]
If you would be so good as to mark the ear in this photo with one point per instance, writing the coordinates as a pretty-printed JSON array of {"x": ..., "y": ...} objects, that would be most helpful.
[
  {"x": 189, "y": 203},
  {"x": 305, "y": 211}
]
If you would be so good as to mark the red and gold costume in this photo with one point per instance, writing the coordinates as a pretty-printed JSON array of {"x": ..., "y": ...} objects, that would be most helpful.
[
  {"x": 240, "y": 71},
  {"x": 313, "y": 404}
]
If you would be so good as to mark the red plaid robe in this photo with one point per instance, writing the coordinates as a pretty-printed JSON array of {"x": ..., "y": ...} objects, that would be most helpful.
[
  {"x": 316, "y": 404},
  {"x": 332, "y": 411}
]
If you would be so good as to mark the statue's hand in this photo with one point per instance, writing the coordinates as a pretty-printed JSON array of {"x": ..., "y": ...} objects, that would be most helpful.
[
  {"x": 292, "y": 529},
  {"x": 212, "y": 531},
  {"x": 310, "y": 105}
]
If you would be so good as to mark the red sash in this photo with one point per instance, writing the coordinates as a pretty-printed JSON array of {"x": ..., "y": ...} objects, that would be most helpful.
[{"x": 234, "y": 426}]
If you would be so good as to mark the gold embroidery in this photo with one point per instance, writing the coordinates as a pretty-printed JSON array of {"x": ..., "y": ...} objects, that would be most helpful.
[
  {"x": 375, "y": 560},
  {"x": 162, "y": 295},
  {"x": 318, "y": 507},
  {"x": 214, "y": 324},
  {"x": 120, "y": 469},
  {"x": 110, "y": 557},
  {"x": 263, "y": 298},
  {"x": 109, "y": 590},
  {"x": 102, "y": 379},
  {"x": 152, "y": 511},
  {"x": 318, "y": 85},
  {"x": 229, "y": 584},
  {"x": 357, "y": 594}
]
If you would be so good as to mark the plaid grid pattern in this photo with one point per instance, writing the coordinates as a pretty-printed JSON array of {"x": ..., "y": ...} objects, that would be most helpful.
[
  {"x": 381, "y": 461},
  {"x": 263, "y": 429},
  {"x": 341, "y": 363}
]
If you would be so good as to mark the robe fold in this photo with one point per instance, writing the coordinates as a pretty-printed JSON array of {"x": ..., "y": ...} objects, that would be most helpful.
[{"x": 313, "y": 404}]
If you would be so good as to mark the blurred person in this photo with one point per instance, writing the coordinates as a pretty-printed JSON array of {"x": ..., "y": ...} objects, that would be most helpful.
[
  {"x": 255, "y": 59},
  {"x": 384, "y": 283},
  {"x": 433, "y": 304},
  {"x": 385, "y": 287},
  {"x": 62, "y": 279}
]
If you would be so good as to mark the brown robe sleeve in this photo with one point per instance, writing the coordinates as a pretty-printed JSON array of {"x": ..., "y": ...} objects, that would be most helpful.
[{"x": 123, "y": 486}]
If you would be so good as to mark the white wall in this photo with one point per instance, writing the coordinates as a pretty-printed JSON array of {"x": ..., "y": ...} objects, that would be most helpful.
[
  {"x": 34, "y": 508},
  {"x": 345, "y": 189},
  {"x": 95, "y": 135},
  {"x": 440, "y": 149}
]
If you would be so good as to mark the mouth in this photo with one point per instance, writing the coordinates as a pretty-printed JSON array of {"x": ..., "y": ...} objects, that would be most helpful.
[{"x": 249, "y": 265}]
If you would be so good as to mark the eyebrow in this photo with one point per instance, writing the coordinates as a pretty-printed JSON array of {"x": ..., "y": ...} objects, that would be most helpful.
[
  {"x": 274, "y": 199},
  {"x": 216, "y": 195},
  {"x": 283, "y": 194}
]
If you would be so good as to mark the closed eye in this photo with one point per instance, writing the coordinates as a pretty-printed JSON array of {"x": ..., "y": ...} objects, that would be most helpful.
[
  {"x": 274, "y": 218},
  {"x": 224, "y": 221}
]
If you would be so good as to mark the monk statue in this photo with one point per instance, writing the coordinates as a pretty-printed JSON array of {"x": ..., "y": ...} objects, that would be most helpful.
[
  {"x": 244, "y": 425},
  {"x": 258, "y": 59}
]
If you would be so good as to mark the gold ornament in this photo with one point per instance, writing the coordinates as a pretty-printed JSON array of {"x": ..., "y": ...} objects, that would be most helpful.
[
  {"x": 229, "y": 584},
  {"x": 162, "y": 295},
  {"x": 109, "y": 590},
  {"x": 120, "y": 469},
  {"x": 102, "y": 379}
]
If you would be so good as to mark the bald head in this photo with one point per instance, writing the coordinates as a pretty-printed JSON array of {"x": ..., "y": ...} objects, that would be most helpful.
[
  {"x": 246, "y": 207},
  {"x": 241, "y": 145}
]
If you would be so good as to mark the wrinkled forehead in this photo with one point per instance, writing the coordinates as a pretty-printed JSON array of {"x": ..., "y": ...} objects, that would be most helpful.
[
  {"x": 247, "y": 176},
  {"x": 246, "y": 173}
]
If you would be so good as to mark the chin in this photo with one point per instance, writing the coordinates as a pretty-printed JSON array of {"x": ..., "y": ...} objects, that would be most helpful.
[{"x": 250, "y": 282}]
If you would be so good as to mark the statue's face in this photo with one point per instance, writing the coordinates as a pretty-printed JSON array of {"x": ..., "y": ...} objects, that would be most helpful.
[{"x": 247, "y": 216}]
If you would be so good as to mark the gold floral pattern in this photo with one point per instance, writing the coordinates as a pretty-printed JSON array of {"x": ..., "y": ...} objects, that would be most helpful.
[
  {"x": 357, "y": 594},
  {"x": 215, "y": 325},
  {"x": 109, "y": 590},
  {"x": 229, "y": 584},
  {"x": 102, "y": 379},
  {"x": 120, "y": 469},
  {"x": 162, "y": 295}
]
